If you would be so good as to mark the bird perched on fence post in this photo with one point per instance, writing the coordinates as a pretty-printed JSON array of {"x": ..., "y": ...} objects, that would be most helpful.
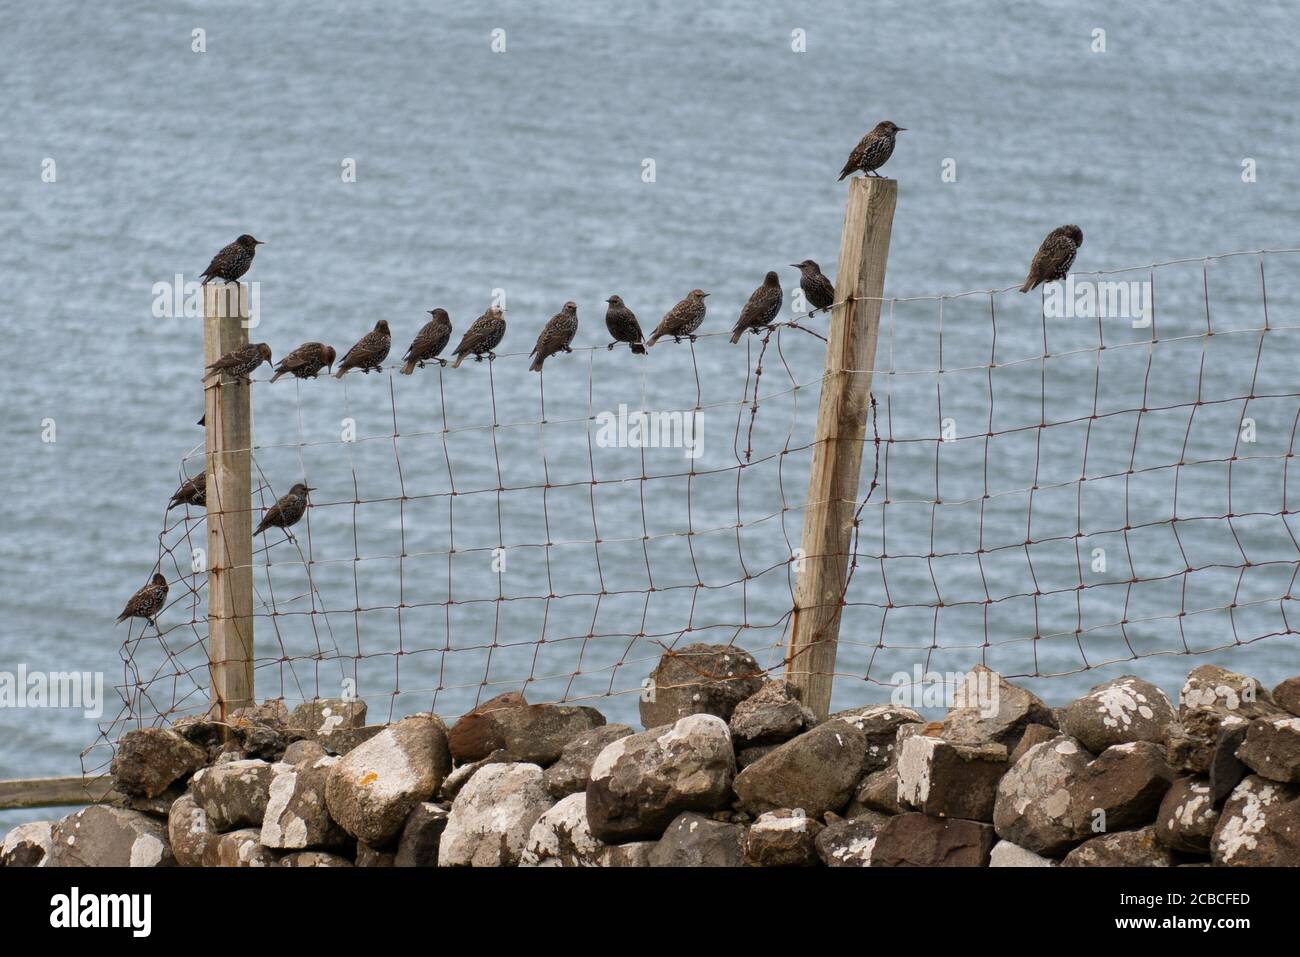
[
  {"x": 762, "y": 309},
  {"x": 370, "y": 351},
  {"x": 682, "y": 319},
  {"x": 622, "y": 325},
  {"x": 1054, "y": 257},
  {"x": 192, "y": 492},
  {"x": 555, "y": 335},
  {"x": 818, "y": 291},
  {"x": 287, "y": 510},
  {"x": 241, "y": 362},
  {"x": 483, "y": 335},
  {"x": 233, "y": 260},
  {"x": 147, "y": 602},
  {"x": 429, "y": 341},
  {"x": 306, "y": 361},
  {"x": 873, "y": 150}
]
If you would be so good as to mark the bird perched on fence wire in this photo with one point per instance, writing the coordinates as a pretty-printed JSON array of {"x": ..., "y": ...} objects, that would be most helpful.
[
  {"x": 1054, "y": 257},
  {"x": 147, "y": 602},
  {"x": 483, "y": 335},
  {"x": 555, "y": 335},
  {"x": 682, "y": 319},
  {"x": 762, "y": 309},
  {"x": 429, "y": 341},
  {"x": 306, "y": 361},
  {"x": 622, "y": 325},
  {"x": 240, "y": 363},
  {"x": 370, "y": 351},
  {"x": 233, "y": 260},
  {"x": 818, "y": 291},
  {"x": 286, "y": 511},
  {"x": 873, "y": 150},
  {"x": 192, "y": 492}
]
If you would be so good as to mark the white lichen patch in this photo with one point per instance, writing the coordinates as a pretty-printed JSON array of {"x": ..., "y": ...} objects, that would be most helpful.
[
  {"x": 914, "y": 762},
  {"x": 1239, "y": 832},
  {"x": 147, "y": 851}
]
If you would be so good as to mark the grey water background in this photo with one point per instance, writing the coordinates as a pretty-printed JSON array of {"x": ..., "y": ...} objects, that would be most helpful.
[{"x": 522, "y": 171}]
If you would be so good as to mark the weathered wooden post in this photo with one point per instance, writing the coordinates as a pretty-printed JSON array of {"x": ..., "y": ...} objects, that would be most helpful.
[
  {"x": 841, "y": 429},
  {"x": 228, "y": 462}
]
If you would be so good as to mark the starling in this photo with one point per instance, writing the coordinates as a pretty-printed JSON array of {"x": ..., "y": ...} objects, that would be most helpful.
[
  {"x": 1054, "y": 257},
  {"x": 147, "y": 602},
  {"x": 762, "y": 309},
  {"x": 873, "y": 150},
  {"x": 484, "y": 335},
  {"x": 370, "y": 351},
  {"x": 818, "y": 291},
  {"x": 622, "y": 325},
  {"x": 241, "y": 363},
  {"x": 193, "y": 492},
  {"x": 555, "y": 335},
  {"x": 306, "y": 361},
  {"x": 286, "y": 511},
  {"x": 429, "y": 341},
  {"x": 233, "y": 261},
  {"x": 682, "y": 319}
]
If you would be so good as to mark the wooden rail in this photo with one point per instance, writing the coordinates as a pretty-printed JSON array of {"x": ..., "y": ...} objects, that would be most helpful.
[{"x": 55, "y": 792}]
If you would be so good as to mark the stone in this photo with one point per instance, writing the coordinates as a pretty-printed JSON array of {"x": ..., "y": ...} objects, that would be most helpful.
[
  {"x": 189, "y": 832},
  {"x": 454, "y": 781},
  {"x": 1034, "y": 734},
  {"x": 375, "y": 786},
  {"x": 988, "y": 709},
  {"x": 631, "y": 854},
  {"x": 421, "y": 835},
  {"x": 313, "y": 859},
  {"x": 1272, "y": 748},
  {"x": 747, "y": 756},
  {"x": 262, "y": 731},
  {"x": 1121, "y": 789},
  {"x": 913, "y": 839},
  {"x": 343, "y": 741},
  {"x": 149, "y": 760},
  {"x": 817, "y": 771},
  {"x": 304, "y": 752},
  {"x": 233, "y": 794},
  {"x": 203, "y": 731},
  {"x": 1211, "y": 699},
  {"x": 241, "y": 848},
  {"x": 296, "y": 817},
  {"x": 1259, "y": 826},
  {"x": 1121, "y": 849},
  {"x": 772, "y": 715},
  {"x": 1033, "y": 802},
  {"x": 1225, "y": 768},
  {"x": 368, "y": 856},
  {"x": 1287, "y": 695},
  {"x": 102, "y": 836},
  {"x": 943, "y": 778},
  {"x": 699, "y": 679},
  {"x": 572, "y": 770},
  {"x": 848, "y": 842},
  {"x": 534, "y": 734},
  {"x": 1122, "y": 710},
  {"x": 783, "y": 838},
  {"x": 158, "y": 806},
  {"x": 492, "y": 817},
  {"x": 1186, "y": 818},
  {"x": 641, "y": 782},
  {"x": 27, "y": 845},
  {"x": 561, "y": 837},
  {"x": 878, "y": 792},
  {"x": 882, "y": 725},
  {"x": 1006, "y": 854},
  {"x": 693, "y": 840},
  {"x": 322, "y": 716}
]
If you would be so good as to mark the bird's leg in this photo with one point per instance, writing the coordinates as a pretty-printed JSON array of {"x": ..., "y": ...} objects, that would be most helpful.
[
  {"x": 478, "y": 357},
  {"x": 691, "y": 337},
  {"x": 491, "y": 355},
  {"x": 442, "y": 362},
  {"x": 610, "y": 347},
  {"x": 567, "y": 349}
]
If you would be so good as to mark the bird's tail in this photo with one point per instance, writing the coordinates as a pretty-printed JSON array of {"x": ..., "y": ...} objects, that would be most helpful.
[
  {"x": 121, "y": 618},
  {"x": 537, "y": 364},
  {"x": 654, "y": 337},
  {"x": 279, "y": 373},
  {"x": 1029, "y": 284},
  {"x": 735, "y": 336},
  {"x": 638, "y": 349},
  {"x": 460, "y": 357},
  {"x": 338, "y": 375},
  {"x": 409, "y": 367}
]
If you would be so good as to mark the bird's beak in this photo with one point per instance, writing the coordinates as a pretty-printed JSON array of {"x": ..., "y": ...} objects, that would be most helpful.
[
  {"x": 901, "y": 129},
  {"x": 796, "y": 266},
  {"x": 706, "y": 295},
  {"x": 258, "y": 242}
]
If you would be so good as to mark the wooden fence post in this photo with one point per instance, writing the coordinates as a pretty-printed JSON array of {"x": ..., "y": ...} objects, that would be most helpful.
[
  {"x": 841, "y": 428},
  {"x": 228, "y": 462}
]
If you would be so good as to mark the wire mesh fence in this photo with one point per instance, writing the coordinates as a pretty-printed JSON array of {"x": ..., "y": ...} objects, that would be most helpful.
[{"x": 1050, "y": 483}]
